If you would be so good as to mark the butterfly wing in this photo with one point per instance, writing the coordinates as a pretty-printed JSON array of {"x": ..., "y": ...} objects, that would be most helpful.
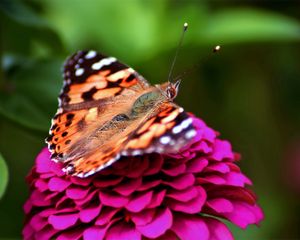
[
  {"x": 93, "y": 85},
  {"x": 166, "y": 129}
]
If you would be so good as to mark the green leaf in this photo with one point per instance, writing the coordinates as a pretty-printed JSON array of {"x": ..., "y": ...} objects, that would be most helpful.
[
  {"x": 25, "y": 31},
  {"x": 3, "y": 176},
  {"x": 29, "y": 97},
  {"x": 18, "y": 11},
  {"x": 249, "y": 25}
]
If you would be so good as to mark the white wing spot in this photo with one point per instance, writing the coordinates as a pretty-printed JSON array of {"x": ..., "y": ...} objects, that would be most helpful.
[
  {"x": 103, "y": 62},
  {"x": 136, "y": 152},
  {"x": 79, "y": 72},
  {"x": 90, "y": 54},
  {"x": 190, "y": 134},
  {"x": 165, "y": 140},
  {"x": 186, "y": 123},
  {"x": 177, "y": 129}
]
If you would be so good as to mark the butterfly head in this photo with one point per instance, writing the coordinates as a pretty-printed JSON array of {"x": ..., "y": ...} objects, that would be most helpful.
[{"x": 172, "y": 89}]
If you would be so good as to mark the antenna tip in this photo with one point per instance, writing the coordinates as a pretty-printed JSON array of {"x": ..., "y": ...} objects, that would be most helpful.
[
  {"x": 185, "y": 26},
  {"x": 217, "y": 49}
]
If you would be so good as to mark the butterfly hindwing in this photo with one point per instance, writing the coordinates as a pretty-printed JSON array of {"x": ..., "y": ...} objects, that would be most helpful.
[
  {"x": 165, "y": 132},
  {"x": 167, "y": 129}
]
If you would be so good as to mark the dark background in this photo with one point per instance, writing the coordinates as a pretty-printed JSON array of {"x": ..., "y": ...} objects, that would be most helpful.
[{"x": 250, "y": 91}]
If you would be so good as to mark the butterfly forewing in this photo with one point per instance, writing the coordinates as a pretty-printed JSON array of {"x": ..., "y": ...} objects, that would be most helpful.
[{"x": 93, "y": 83}]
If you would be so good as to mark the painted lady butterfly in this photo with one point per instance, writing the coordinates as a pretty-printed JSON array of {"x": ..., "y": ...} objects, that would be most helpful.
[{"x": 107, "y": 110}]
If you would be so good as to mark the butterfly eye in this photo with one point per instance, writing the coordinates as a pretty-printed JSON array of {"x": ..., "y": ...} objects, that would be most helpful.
[
  {"x": 172, "y": 89},
  {"x": 171, "y": 92}
]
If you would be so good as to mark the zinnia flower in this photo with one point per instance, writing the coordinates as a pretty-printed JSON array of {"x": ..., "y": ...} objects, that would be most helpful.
[{"x": 183, "y": 196}]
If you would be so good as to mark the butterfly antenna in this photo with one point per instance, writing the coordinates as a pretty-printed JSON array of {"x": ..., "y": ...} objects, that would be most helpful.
[
  {"x": 185, "y": 27},
  {"x": 216, "y": 49}
]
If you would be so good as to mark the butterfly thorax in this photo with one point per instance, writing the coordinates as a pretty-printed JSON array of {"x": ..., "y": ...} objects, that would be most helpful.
[{"x": 147, "y": 101}]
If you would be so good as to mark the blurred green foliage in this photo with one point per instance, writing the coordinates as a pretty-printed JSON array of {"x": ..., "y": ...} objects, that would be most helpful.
[
  {"x": 250, "y": 92},
  {"x": 3, "y": 176}
]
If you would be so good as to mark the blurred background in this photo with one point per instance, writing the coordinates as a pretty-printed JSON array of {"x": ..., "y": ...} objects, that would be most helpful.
[{"x": 249, "y": 92}]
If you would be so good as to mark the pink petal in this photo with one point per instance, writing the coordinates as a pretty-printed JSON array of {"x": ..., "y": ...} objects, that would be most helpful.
[
  {"x": 27, "y": 232},
  {"x": 244, "y": 214},
  {"x": 175, "y": 170},
  {"x": 47, "y": 175},
  {"x": 27, "y": 206},
  {"x": 237, "y": 179},
  {"x": 218, "y": 167},
  {"x": 103, "y": 183},
  {"x": 169, "y": 235},
  {"x": 95, "y": 232},
  {"x": 193, "y": 206},
  {"x": 214, "y": 179},
  {"x": 46, "y": 233},
  {"x": 51, "y": 195},
  {"x": 63, "y": 201},
  {"x": 39, "y": 199},
  {"x": 58, "y": 184},
  {"x": 45, "y": 165},
  {"x": 112, "y": 200},
  {"x": 139, "y": 202},
  {"x": 123, "y": 231},
  {"x": 42, "y": 161},
  {"x": 51, "y": 211},
  {"x": 159, "y": 225},
  {"x": 189, "y": 227},
  {"x": 144, "y": 217},
  {"x": 77, "y": 192},
  {"x": 70, "y": 235},
  {"x": 196, "y": 165},
  {"x": 149, "y": 184},
  {"x": 81, "y": 181},
  {"x": 88, "y": 214},
  {"x": 222, "y": 150},
  {"x": 209, "y": 134},
  {"x": 137, "y": 168},
  {"x": 41, "y": 185},
  {"x": 105, "y": 215},
  {"x": 218, "y": 230},
  {"x": 88, "y": 198},
  {"x": 157, "y": 199},
  {"x": 37, "y": 222},
  {"x": 204, "y": 147},
  {"x": 181, "y": 182},
  {"x": 128, "y": 187},
  {"x": 220, "y": 205},
  {"x": 62, "y": 222},
  {"x": 155, "y": 164},
  {"x": 232, "y": 193},
  {"x": 183, "y": 195}
]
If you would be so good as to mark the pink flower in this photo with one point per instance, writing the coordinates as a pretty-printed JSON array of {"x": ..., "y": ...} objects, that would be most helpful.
[{"x": 147, "y": 197}]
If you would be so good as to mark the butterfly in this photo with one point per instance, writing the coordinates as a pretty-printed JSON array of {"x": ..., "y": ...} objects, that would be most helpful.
[{"x": 107, "y": 110}]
